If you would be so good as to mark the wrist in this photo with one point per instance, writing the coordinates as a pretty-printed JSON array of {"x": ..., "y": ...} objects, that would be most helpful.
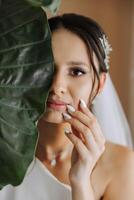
[
  {"x": 77, "y": 181},
  {"x": 82, "y": 191},
  {"x": 80, "y": 183},
  {"x": 82, "y": 186}
]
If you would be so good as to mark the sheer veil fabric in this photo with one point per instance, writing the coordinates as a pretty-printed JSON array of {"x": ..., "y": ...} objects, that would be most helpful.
[{"x": 109, "y": 112}]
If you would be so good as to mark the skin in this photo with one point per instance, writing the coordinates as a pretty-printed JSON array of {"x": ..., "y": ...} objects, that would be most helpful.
[{"x": 96, "y": 169}]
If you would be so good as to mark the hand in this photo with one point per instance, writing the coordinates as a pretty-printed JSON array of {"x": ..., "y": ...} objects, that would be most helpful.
[{"x": 88, "y": 140}]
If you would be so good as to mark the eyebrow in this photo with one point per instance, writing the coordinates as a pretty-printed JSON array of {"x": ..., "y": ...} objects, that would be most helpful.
[{"x": 77, "y": 63}]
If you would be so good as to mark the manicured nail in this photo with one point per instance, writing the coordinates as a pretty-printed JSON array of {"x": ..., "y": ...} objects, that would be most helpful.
[
  {"x": 70, "y": 108},
  {"x": 82, "y": 103},
  {"x": 67, "y": 131},
  {"x": 66, "y": 116}
]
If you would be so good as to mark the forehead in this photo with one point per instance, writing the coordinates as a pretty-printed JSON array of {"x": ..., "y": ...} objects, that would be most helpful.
[{"x": 67, "y": 46}]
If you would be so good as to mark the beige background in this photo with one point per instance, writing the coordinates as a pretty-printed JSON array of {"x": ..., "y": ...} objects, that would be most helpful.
[
  {"x": 117, "y": 19},
  {"x": 131, "y": 99}
]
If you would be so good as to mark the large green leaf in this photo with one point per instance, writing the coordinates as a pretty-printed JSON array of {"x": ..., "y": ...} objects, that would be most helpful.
[
  {"x": 51, "y": 5},
  {"x": 26, "y": 69}
]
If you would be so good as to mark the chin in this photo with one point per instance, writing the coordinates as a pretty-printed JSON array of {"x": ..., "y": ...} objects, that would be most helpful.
[{"x": 53, "y": 117}]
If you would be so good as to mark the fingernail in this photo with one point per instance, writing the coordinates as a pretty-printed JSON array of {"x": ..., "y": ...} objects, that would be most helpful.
[
  {"x": 82, "y": 103},
  {"x": 70, "y": 108},
  {"x": 66, "y": 116},
  {"x": 67, "y": 131}
]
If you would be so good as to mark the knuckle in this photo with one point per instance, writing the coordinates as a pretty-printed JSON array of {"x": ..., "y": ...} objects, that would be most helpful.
[
  {"x": 86, "y": 131},
  {"x": 74, "y": 122},
  {"x": 97, "y": 153},
  {"x": 87, "y": 159},
  {"x": 92, "y": 122},
  {"x": 102, "y": 148},
  {"x": 77, "y": 142},
  {"x": 78, "y": 114},
  {"x": 103, "y": 140}
]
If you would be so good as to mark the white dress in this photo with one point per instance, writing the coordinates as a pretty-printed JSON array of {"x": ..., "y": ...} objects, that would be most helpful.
[{"x": 38, "y": 184}]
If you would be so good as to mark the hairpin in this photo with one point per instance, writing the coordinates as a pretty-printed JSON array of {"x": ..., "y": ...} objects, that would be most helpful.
[{"x": 107, "y": 49}]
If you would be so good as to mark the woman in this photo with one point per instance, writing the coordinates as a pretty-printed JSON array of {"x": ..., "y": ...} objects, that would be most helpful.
[
  {"x": 96, "y": 169},
  {"x": 73, "y": 160}
]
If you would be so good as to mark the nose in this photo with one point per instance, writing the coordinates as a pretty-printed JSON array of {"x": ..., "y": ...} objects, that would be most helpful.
[{"x": 58, "y": 86}]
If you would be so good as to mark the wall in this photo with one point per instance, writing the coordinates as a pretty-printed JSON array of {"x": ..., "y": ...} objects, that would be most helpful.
[{"x": 131, "y": 102}]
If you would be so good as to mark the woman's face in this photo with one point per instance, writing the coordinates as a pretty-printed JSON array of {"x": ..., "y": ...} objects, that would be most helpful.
[{"x": 73, "y": 76}]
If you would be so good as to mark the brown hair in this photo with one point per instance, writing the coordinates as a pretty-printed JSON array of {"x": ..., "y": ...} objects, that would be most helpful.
[{"x": 90, "y": 32}]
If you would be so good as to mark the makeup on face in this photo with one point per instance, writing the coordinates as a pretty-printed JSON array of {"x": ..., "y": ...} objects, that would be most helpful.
[
  {"x": 55, "y": 106},
  {"x": 72, "y": 78}
]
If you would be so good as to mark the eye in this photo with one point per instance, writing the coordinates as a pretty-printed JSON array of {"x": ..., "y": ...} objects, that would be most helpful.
[{"x": 77, "y": 71}]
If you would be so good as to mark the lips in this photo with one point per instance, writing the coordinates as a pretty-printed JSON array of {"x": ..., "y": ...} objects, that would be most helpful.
[{"x": 56, "y": 102}]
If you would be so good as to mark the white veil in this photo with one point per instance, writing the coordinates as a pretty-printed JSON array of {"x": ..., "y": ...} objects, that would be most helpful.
[{"x": 109, "y": 112}]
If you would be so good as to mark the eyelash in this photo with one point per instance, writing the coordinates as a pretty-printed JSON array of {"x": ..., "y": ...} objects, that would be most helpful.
[{"x": 77, "y": 69}]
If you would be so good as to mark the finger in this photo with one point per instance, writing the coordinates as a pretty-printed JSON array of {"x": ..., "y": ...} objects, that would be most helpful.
[
  {"x": 85, "y": 109},
  {"x": 80, "y": 147},
  {"x": 78, "y": 134},
  {"x": 89, "y": 140},
  {"x": 86, "y": 120},
  {"x": 79, "y": 115},
  {"x": 80, "y": 127},
  {"x": 93, "y": 121}
]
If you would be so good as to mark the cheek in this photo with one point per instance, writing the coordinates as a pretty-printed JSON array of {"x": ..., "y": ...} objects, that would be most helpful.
[{"x": 81, "y": 91}]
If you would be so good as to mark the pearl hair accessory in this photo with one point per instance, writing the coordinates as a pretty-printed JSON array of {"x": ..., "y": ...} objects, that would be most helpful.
[{"x": 107, "y": 49}]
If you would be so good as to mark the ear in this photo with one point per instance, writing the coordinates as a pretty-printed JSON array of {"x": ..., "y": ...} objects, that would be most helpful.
[{"x": 103, "y": 77}]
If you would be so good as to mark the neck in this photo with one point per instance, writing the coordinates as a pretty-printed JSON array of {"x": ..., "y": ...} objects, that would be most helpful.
[{"x": 51, "y": 138}]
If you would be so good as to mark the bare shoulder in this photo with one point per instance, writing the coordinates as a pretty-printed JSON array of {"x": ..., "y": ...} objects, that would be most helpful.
[
  {"x": 116, "y": 159},
  {"x": 120, "y": 160},
  {"x": 119, "y": 154}
]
